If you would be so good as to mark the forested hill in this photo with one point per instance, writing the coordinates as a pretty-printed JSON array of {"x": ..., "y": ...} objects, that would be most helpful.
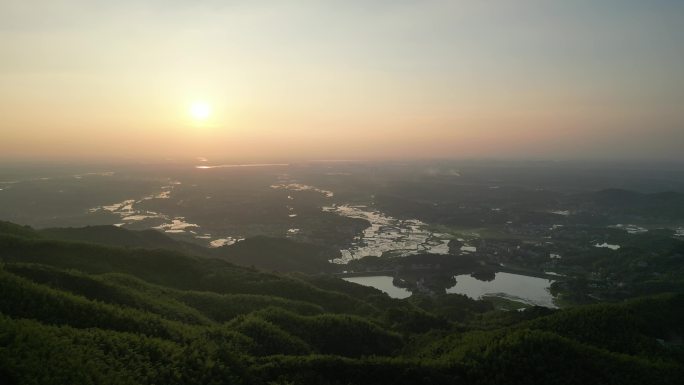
[
  {"x": 86, "y": 313},
  {"x": 266, "y": 253}
]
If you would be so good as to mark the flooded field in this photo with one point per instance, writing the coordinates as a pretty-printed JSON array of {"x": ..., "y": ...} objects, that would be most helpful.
[
  {"x": 606, "y": 245},
  {"x": 130, "y": 213},
  {"x": 387, "y": 234}
]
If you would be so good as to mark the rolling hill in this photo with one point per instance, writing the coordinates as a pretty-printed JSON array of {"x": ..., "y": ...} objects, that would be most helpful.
[{"x": 74, "y": 312}]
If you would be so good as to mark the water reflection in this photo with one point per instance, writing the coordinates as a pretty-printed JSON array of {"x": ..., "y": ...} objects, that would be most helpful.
[
  {"x": 387, "y": 234},
  {"x": 522, "y": 288},
  {"x": 606, "y": 245},
  {"x": 381, "y": 282},
  {"x": 301, "y": 187}
]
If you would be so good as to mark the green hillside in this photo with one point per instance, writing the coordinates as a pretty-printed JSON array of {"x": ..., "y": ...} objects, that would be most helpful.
[
  {"x": 75, "y": 312},
  {"x": 117, "y": 236},
  {"x": 279, "y": 254},
  {"x": 265, "y": 253}
]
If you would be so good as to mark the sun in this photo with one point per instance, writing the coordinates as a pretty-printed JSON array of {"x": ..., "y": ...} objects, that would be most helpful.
[{"x": 200, "y": 110}]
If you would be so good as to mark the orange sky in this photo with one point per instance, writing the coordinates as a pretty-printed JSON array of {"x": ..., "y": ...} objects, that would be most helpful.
[{"x": 346, "y": 79}]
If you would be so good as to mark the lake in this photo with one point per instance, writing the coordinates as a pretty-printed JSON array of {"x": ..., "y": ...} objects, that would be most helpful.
[{"x": 522, "y": 288}]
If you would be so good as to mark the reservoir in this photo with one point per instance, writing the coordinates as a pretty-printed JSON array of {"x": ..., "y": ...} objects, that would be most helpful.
[{"x": 520, "y": 288}]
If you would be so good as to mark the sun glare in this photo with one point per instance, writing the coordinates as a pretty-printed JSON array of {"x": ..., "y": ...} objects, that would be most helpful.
[{"x": 200, "y": 110}]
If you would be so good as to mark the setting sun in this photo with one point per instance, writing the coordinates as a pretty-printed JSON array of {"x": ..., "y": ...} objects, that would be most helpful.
[
  {"x": 200, "y": 110},
  {"x": 342, "y": 192}
]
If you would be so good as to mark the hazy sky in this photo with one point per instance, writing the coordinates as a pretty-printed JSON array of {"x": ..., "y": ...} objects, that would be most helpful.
[{"x": 342, "y": 79}]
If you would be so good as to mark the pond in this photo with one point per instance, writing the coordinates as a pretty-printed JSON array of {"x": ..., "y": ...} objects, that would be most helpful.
[{"x": 381, "y": 282}]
